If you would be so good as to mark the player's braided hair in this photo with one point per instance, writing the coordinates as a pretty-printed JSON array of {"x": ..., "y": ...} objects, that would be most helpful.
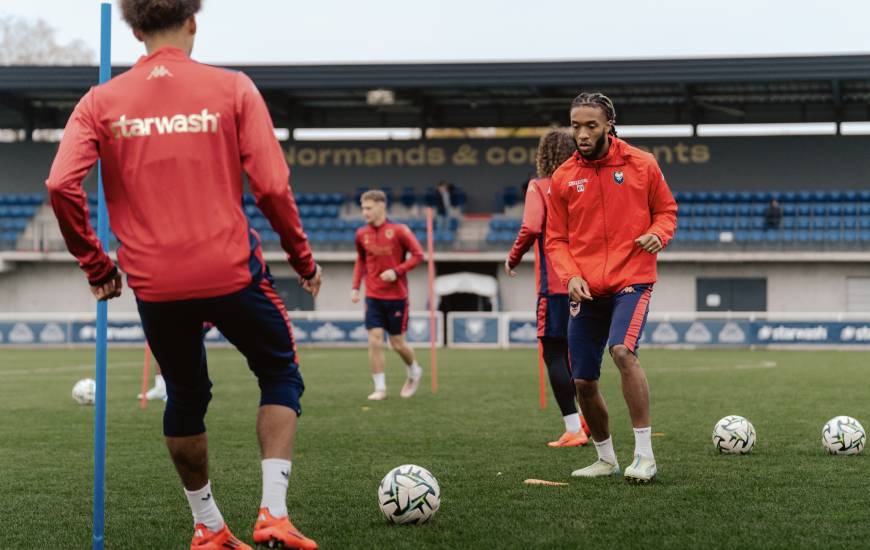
[
  {"x": 597, "y": 99},
  {"x": 555, "y": 147},
  {"x": 150, "y": 16}
]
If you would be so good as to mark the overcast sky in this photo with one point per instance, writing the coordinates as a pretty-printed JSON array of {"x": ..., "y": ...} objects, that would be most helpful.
[{"x": 313, "y": 31}]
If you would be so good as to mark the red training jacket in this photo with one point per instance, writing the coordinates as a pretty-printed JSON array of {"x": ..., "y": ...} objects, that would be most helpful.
[
  {"x": 174, "y": 137},
  {"x": 598, "y": 208},
  {"x": 381, "y": 248},
  {"x": 533, "y": 231}
]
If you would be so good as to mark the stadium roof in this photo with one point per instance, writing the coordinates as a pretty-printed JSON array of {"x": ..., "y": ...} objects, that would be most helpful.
[{"x": 430, "y": 95}]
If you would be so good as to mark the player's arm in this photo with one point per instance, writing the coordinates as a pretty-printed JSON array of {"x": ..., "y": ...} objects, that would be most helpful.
[
  {"x": 359, "y": 270},
  {"x": 77, "y": 154},
  {"x": 412, "y": 250},
  {"x": 663, "y": 211},
  {"x": 269, "y": 176},
  {"x": 557, "y": 245},
  {"x": 533, "y": 224}
]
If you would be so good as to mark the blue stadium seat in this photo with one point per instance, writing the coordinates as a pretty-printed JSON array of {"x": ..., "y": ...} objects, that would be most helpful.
[
  {"x": 835, "y": 196},
  {"x": 819, "y": 210},
  {"x": 804, "y": 196},
  {"x": 509, "y": 196},
  {"x": 787, "y": 235},
  {"x": 864, "y": 236},
  {"x": 744, "y": 223},
  {"x": 683, "y": 223},
  {"x": 864, "y": 210},
  {"x": 832, "y": 223},
  {"x": 710, "y": 236},
  {"x": 850, "y": 196},
  {"x": 832, "y": 236},
  {"x": 804, "y": 209},
  {"x": 820, "y": 196},
  {"x": 802, "y": 236},
  {"x": 756, "y": 236},
  {"x": 772, "y": 236},
  {"x": 757, "y": 223},
  {"x": 744, "y": 197},
  {"x": 727, "y": 224},
  {"x": 714, "y": 224},
  {"x": 818, "y": 224},
  {"x": 698, "y": 224},
  {"x": 803, "y": 223},
  {"x": 702, "y": 196},
  {"x": 714, "y": 210},
  {"x": 337, "y": 198},
  {"x": 758, "y": 209},
  {"x": 850, "y": 236},
  {"x": 741, "y": 236},
  {"x": 729, "y": 210},
  {"x": 744, "y": 209},
  {"x": 788, "y": 210},
  {"x": 729, "y": 197},
  {"x": 818, "y": 237},
  {"x": 762, "y": 196},
  {"x": 716, "y": 197},
  {"x": 788, "y": 196},
  {"x": 699, "y": 209},
  {"x": 850, "y": 223}
]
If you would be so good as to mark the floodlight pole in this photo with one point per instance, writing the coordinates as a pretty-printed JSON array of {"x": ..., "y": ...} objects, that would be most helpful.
[{"x": 102, "y": 309}]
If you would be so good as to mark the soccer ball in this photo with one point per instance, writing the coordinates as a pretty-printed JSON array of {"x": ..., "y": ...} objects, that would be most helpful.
[
  {"x": 84, "y": 392},
  {"x": 734, "y": 435},
  {"x": 843, "y": 435},
  {"x": 409, "y": 494}
]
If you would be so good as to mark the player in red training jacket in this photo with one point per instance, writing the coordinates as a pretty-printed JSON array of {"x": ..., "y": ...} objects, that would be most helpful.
[
  {"x": 382, "y": 249},
  {"x": 610, "y": 213},
  {"x": 174, "y": 137},
  {"x": 552, "y": 308}
]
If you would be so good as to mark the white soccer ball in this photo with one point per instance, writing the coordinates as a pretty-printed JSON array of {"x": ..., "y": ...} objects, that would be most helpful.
[
  {"x": 734, "y": 435},
  {"x": 85, "y": 391},
  {"x": 409, "y": 494},
  {"x": 843, "y": 435}
]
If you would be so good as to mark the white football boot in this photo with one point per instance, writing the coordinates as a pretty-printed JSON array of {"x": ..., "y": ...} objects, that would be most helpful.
[
  {"x": 599, "y": 468},
  {"x": 642, "y": 470}
]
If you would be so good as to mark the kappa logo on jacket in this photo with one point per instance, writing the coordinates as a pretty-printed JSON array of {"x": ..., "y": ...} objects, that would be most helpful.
[{"x": 159, "y": 72}]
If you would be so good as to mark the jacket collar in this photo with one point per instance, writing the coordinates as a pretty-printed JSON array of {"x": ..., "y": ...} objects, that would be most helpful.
[
  {"x": 615, "y": 156},
  {"x": 166, "y": 52}
]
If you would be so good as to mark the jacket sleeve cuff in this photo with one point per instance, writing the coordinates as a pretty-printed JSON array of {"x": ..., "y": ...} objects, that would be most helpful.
[{"x": 100, "y": 281}]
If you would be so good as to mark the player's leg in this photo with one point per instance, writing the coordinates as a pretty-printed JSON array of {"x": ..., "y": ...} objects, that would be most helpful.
[
  {"x": 629, "y": 317},
  {"x": 173, "y": 331},
  {"x": 256, "y": 322},
  {"x": 587, "y": 337},
  {"x": 558, "y": 371},
  {"x": 552, "y": 313},
  {"x": 375, "y": 323},
  {"x": 397, "y": 326}
]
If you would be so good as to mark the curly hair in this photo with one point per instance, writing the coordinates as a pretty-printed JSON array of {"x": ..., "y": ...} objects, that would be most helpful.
[
  {"x": 151, "y": 16},
  {"x": 597, "y": 99},
  {"x": 555, "y": 147}
]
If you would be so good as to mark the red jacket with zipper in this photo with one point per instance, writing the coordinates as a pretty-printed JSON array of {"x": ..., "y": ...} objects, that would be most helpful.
[{"x": 596, "y": 209}]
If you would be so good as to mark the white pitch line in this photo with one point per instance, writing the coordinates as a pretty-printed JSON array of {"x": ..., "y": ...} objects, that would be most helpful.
[{"x": 759, "y": 365}]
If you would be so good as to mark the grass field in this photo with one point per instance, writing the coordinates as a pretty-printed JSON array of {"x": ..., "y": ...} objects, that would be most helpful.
[{"x": 481, "y": 436}]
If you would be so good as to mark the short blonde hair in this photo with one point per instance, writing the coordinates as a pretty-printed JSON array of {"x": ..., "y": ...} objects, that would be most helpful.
[{"x": 374, "y": 195}]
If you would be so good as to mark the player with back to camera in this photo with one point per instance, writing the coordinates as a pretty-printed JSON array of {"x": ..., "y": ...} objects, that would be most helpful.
[
  {"x": 386, "y": 252},
  {"x": 554, "y": 148},
  {"x": 174, "y": 137},
  {"x": 610, "y": 212}
]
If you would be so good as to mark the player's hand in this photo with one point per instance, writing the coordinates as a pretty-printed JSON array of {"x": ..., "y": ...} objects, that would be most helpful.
[
  {"x": 508, "y": 270},
  {"x": 108, "y": 290},
  {"x": 649, "y": 242},
  {"x": 578, "y": 290},
  {"x": 354, "y": 296},
  {"x": 312, "y": 285},
  {"x": 389, "y": 276}
]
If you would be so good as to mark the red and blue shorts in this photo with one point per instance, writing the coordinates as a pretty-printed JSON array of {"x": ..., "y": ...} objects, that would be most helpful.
[
  {"x": 253, "y": 319},
  {"x": 553, "y": 316},
  {"x": 390, "y": 315},
  {"x": 606, "y": 321}
]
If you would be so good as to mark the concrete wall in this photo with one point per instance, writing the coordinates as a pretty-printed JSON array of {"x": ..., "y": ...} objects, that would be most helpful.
[{"x": 791, "y": 287}]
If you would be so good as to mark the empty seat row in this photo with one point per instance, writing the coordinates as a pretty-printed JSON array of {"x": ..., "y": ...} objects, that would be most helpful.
[
  {"x": 730, "y": 224},
  {"x": 766, "y": 196},
  {"x": 777, "y": 236},
  {"x": 21, "y": 199},
  {"x": 815, "y": 209},
  {"x": 17, "y": 211}
]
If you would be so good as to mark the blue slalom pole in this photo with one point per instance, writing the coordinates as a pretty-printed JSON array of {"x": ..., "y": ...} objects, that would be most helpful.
[{"x": 102, "y": 310}]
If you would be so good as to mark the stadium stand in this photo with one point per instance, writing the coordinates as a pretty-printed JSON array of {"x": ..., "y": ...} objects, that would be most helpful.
[{"x": 16, "y": 212}]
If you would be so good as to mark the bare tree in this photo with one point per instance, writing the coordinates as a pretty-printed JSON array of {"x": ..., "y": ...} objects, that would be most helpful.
[{"x": 34, "y": 42}]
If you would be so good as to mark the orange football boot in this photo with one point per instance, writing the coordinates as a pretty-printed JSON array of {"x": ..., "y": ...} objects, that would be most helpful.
[
  {"x": 203, "y": 539},
  {"x": 279, "y": 533},
  {"x": 570, "y": 439}
]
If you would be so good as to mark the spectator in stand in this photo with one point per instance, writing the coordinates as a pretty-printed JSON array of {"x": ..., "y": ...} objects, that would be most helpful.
[
  {"x": 443, "y": 205},
  {"x": 772, "y": 215}
]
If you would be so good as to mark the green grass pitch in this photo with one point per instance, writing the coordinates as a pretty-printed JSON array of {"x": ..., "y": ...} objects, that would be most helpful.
[{"x": 481, "y": 436}]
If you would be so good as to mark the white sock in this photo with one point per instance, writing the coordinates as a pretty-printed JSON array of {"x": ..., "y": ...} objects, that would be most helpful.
[
  {"x": 643, "y": 442},
  {"x": 204, "y": 508},
  {"x": 276, "y": 477},
  {"x": 414, "y": 370},
  {"x": 572, "y": 422},
  {"x": 605, "y": 451},
  {"x": 159, "y": 382},
  {"x": 380, "y": 381}
]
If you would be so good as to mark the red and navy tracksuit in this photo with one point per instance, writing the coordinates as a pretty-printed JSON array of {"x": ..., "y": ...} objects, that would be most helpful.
[
  {"x": 174, "y": 137},
  {"x": 380, "y": 248},
  {"x": 596, "y": 210}
]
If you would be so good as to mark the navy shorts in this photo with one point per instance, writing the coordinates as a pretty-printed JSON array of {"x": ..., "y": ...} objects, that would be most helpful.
[
  {"x": 390, "y": 315},
  {"x": 553, "y": 316},
  {"x": 253, "y": 319},
  {"x": 602, "y": 322}
]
